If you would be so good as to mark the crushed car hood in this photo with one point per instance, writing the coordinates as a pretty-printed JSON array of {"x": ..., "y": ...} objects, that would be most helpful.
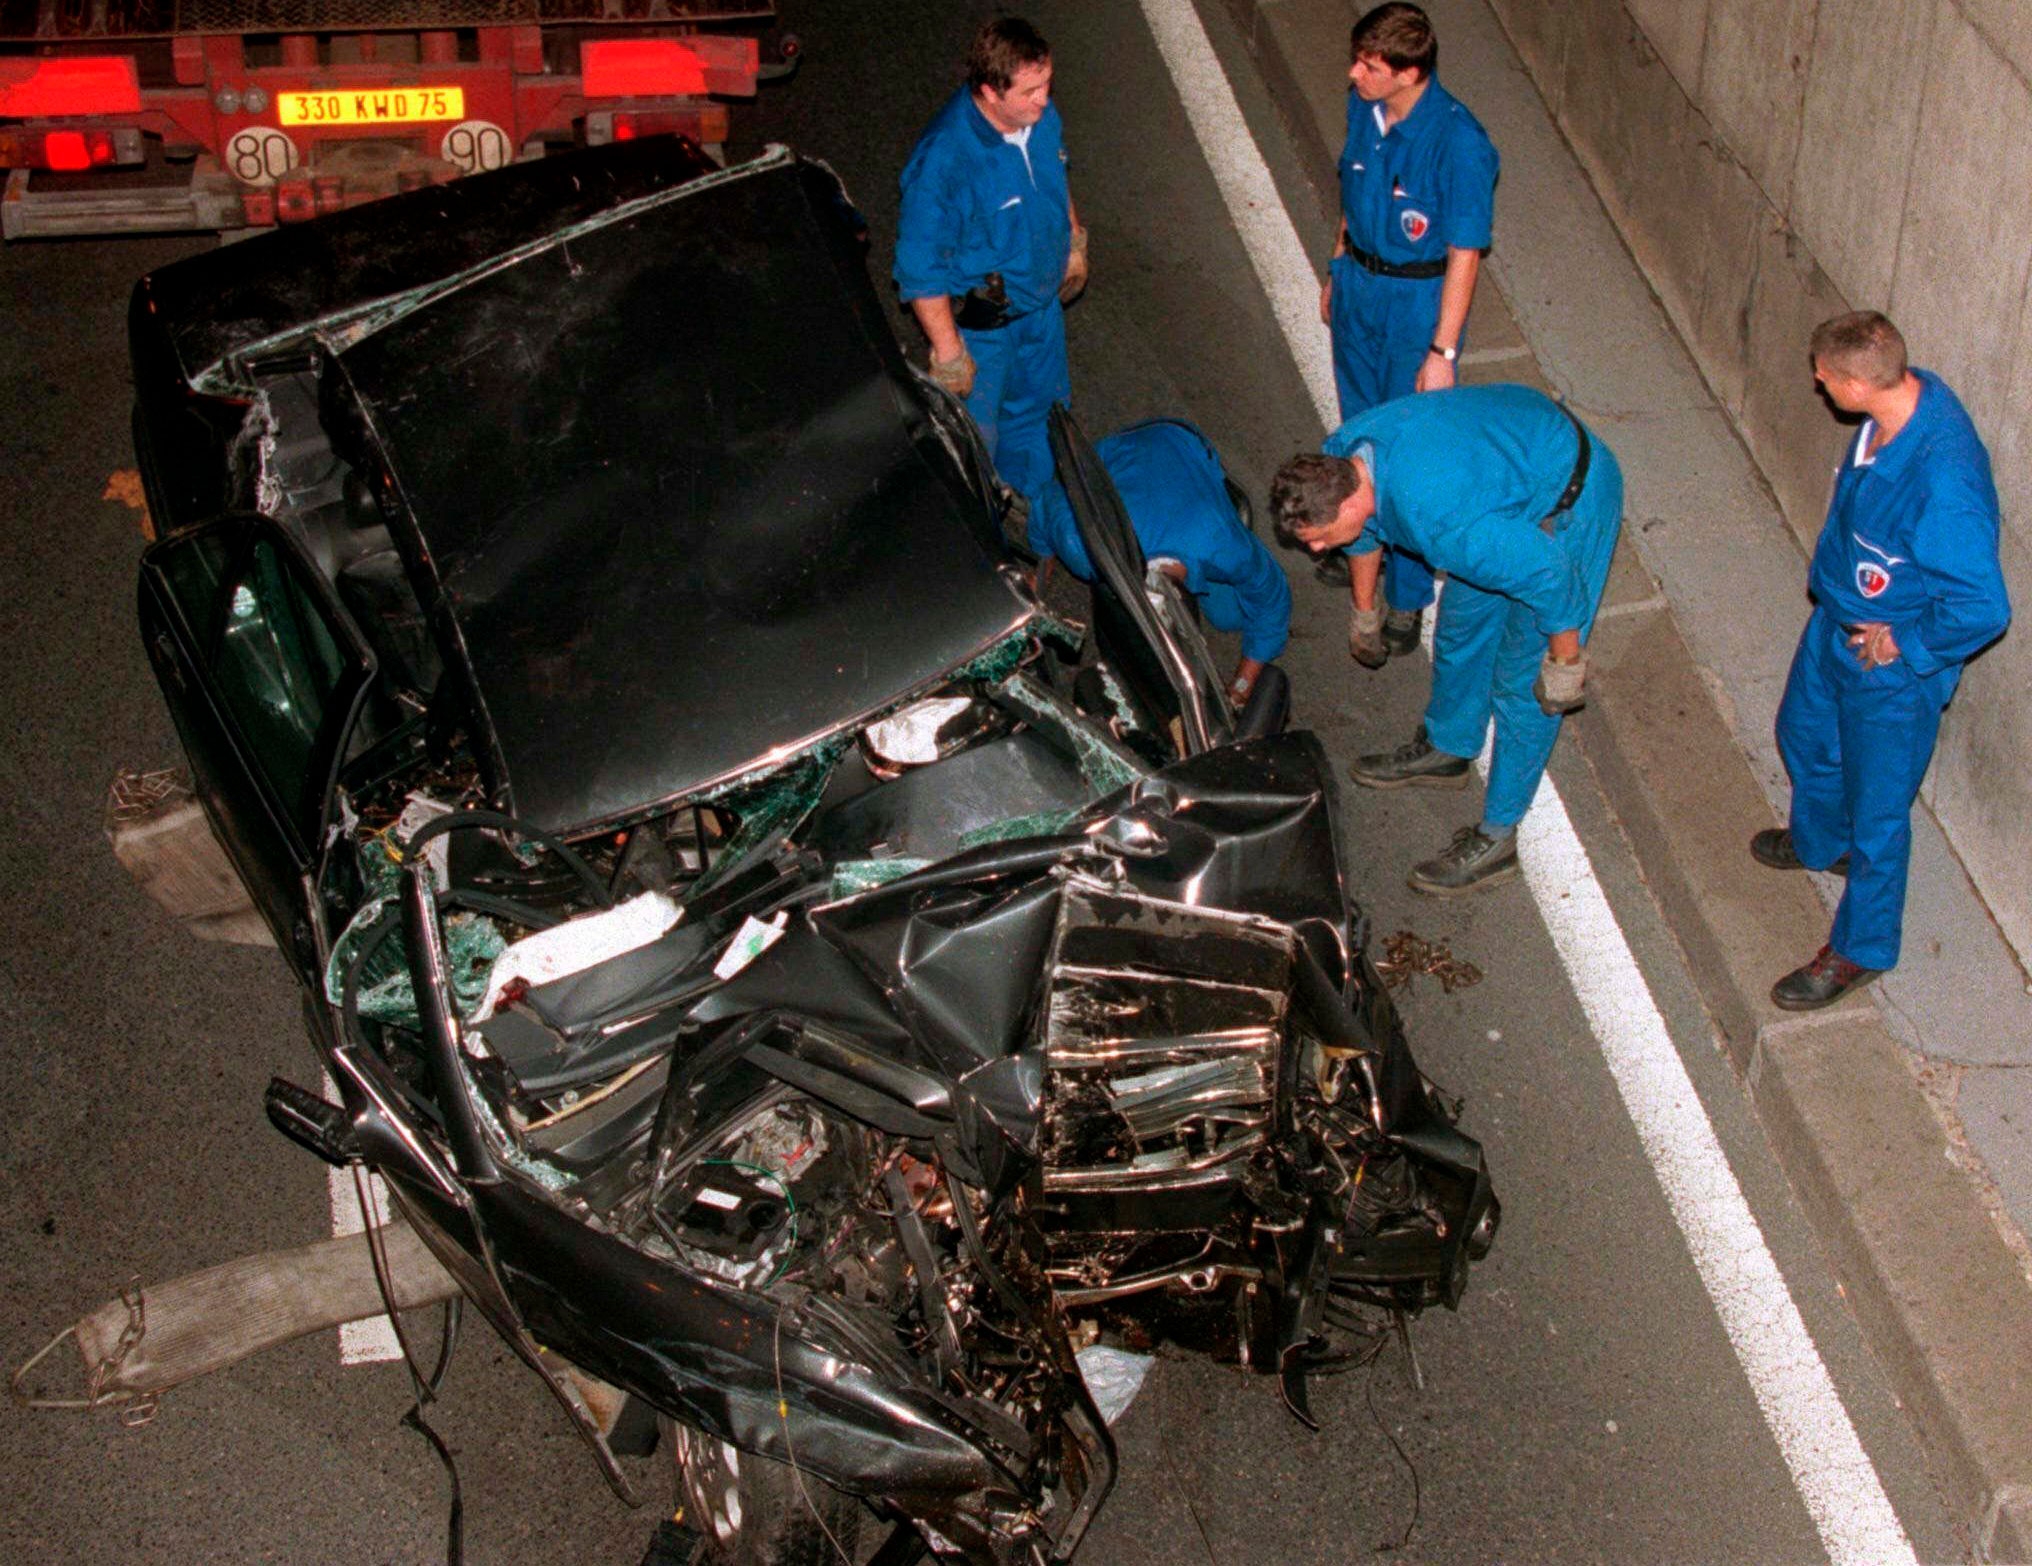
[
  {"x": 675, "y": 498},
  {"x": 660, "y": 475}
]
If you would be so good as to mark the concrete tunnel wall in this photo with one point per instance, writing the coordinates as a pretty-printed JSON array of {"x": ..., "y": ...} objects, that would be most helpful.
[{"x": 1775, "y": 162}]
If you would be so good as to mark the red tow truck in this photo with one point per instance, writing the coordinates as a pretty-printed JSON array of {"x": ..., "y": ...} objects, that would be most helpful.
[{"x": 143, "y": 116}]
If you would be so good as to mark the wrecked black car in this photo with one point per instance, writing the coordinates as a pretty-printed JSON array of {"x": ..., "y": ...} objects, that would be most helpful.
[{"x": 793, "y": 982}]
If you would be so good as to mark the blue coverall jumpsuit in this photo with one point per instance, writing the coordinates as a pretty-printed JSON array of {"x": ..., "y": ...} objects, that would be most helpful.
[
  {"x": 1464, "y": 480},
  {"x": 1407, "y": 195},
  {"x": 1173, "y": 486},
  {"x": 975, "y": 202},
  {"x": 1910, "y": 541}
]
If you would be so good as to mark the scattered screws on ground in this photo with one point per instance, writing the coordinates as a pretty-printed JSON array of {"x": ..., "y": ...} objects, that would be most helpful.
[{"x": 1406, "y": 955}]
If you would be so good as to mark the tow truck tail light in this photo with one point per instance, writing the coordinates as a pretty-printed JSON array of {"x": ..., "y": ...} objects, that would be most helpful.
[
  {"x": 69, "y": 149},
  {"x": 67, "y": 85},
  {"x": 669, "y": 67},
  {"x": 706, "y": 123},
  {"x": 641, "y": 68}
]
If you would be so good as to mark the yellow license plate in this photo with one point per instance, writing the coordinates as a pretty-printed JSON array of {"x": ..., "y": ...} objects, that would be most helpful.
[{"x": 372, "y": 106}]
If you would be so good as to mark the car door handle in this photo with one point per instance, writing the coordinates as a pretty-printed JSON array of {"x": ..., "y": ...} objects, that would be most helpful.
[{"x": 167, "y": 660}]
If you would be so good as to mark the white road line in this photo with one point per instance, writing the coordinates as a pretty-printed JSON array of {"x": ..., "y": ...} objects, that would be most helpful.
[
  {"x": 1798, "y": 1398},
  {"x": 1253, "y": 204},
  {"x": 370, "y": 1341},
  {"x": 1833, "y": 1474}
]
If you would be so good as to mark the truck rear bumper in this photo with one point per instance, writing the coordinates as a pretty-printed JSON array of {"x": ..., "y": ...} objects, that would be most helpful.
[{"x": 28, "y": 213}]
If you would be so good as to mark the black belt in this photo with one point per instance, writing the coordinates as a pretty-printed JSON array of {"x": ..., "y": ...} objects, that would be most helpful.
[
  {"x": 985, "y": 306},
  {"x": 1578, "y": 481},
  {"x": 1382, "y": 268}
]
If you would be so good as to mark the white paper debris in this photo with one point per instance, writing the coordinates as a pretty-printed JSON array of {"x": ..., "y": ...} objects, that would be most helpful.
[
  {"x": 910, "y": 737},
  {"x": 416, "y": 811},
  {"x": 1114, "y": 1377},
  {"x": 749, "y": 942},
  {"x": 579, "y": 944}
]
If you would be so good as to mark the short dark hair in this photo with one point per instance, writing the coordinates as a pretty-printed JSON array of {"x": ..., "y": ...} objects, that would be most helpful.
[
  {"x": 1398, "y": 34},
  {"x": 1306, "y": 493},
  {"x": 1862, "y": 343},
  {"x": 1000, "y": 49}
]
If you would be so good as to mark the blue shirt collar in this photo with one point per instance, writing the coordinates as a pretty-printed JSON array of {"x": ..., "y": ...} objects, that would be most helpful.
[
  {"x": 1423, "y": 112},
  {"x": 983, "y": 128},
  {"x": 1370, "y": 536},
  {"x": 1893, "y": 455}
]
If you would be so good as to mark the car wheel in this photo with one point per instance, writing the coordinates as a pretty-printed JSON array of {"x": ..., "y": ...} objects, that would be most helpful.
[{"x": 753, "y": 1511}]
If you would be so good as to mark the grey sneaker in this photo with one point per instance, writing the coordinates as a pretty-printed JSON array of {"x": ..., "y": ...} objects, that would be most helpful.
[
  {"x": 1413, "y": 765},
  {"x": 1470, "y": 862},
  {"x": 1400, "y": 630}
]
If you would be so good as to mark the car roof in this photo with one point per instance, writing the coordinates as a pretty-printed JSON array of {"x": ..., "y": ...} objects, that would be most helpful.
[
  {"x": 295, "y": 280},
  {"x": 682, "y": 502}
]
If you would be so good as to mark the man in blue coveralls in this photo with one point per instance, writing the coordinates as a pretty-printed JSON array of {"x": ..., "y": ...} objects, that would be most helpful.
[
  {"x": 989, "y": 243},
  {"x": 1906, "y": 586},
  {"x": 1418, "y": 191},
  {"x": 1175, "y": 490},
  {"x": 1510, "y": 495}
]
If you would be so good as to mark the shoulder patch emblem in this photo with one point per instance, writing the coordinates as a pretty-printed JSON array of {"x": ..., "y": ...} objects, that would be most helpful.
[
  {"x": 1416, "y": 224},
  {"x": 1871, "y": 578}
]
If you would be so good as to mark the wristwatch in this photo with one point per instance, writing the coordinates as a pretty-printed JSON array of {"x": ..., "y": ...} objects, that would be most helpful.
[{"x": 1448, "y": 354}]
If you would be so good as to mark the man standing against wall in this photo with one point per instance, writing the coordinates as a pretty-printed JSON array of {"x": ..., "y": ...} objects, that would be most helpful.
[
  {"x": 989, "y": 242},
  {"x": 1418, "y": 184},
  {"x": 1906, "y": 586},
  {"x": 1511, "y": 496}
]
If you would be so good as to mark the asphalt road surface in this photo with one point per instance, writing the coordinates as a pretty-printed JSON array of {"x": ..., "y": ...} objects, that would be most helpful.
[{"x": 1585, "y": 1403}]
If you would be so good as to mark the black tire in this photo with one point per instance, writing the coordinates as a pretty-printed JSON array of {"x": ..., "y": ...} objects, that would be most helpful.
[{"x": 752, "y": 1511}]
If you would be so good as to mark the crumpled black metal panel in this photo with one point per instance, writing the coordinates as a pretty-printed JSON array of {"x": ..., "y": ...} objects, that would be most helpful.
[{"x": 200, "y": 311}]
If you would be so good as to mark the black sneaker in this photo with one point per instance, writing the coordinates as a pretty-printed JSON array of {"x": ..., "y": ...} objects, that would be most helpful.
[
  {"x": 1412, "y": 765},
  {"x": 1821, "y": 982},
  {"x": 1470, "y": 862},
  {"x": 1400, "y": 630},
  {"x": 1773, "y": 847}
]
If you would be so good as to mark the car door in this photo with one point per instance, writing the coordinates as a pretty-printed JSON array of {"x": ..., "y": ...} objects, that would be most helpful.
[
  {"x": 264, "y": 672},
  {"x": 1142, "y": 619}
]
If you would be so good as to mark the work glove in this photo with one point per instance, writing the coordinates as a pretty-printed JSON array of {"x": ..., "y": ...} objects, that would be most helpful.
[
  {"x": 1075, "y": 280},
  {"x": 1365, "y": 638},
  {"x": 1561, "y": 687},
  {"x": 956, "y": 375}
]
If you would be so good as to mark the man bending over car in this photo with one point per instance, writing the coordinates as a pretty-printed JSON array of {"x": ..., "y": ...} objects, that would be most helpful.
[{"x": 1176, "y": 493}]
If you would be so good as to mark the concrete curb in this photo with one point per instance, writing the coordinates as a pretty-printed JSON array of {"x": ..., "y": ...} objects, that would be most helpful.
[{"x": 1938, "y": 1293}]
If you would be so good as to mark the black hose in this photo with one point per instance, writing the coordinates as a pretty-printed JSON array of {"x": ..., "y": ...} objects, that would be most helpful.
[
  {"x": 477, "y": 901},
  {"x": 349, "y": 993},
  {"x": 460, "y": 820},
  {"x": 424, "y": 1388}
]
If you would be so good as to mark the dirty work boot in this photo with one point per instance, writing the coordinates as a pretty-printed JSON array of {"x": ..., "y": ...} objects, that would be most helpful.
[
  {"x": 1400, "y": 630},
  {"x": 1470, "y": 862},
  {"x": 1773, "y": 847},
  {"x": 1820, "y": 982},
  {"x": 1415, "y": 764}
]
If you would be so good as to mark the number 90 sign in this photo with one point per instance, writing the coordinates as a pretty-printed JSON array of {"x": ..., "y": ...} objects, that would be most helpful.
[{"x": 476, "y": 147}]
